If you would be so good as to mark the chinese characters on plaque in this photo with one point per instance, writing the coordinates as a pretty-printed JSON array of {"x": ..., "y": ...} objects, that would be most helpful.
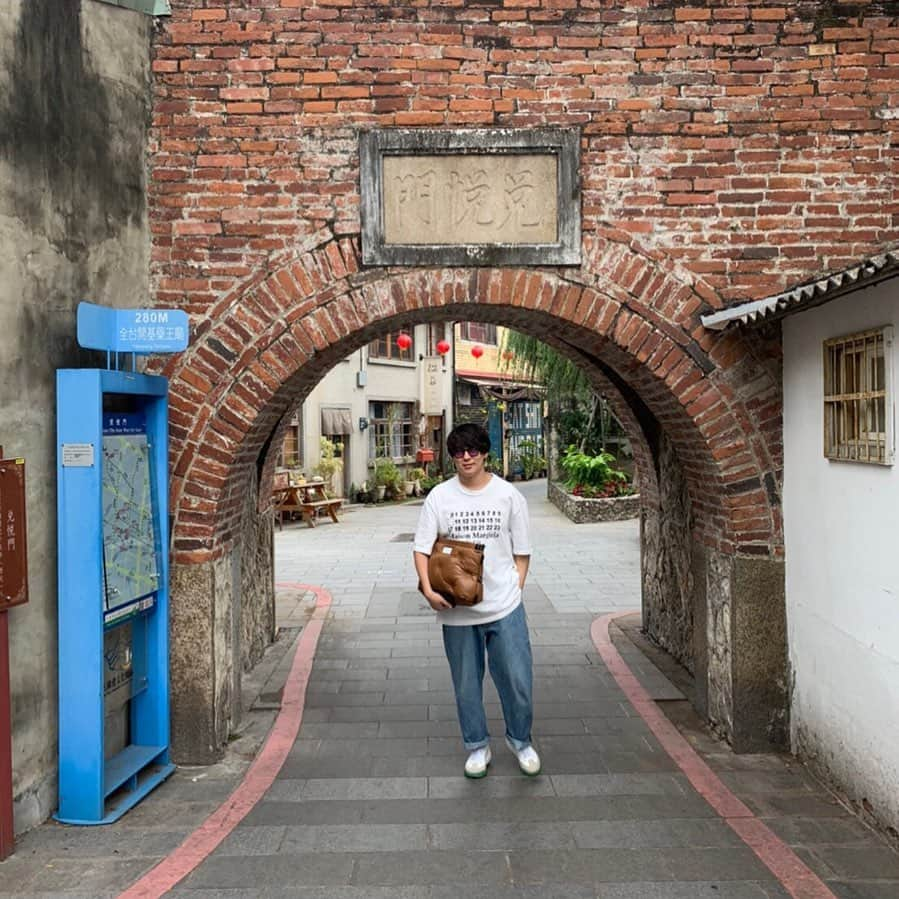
[
  {"x": 470, "y": 199},
  {"x": 432, "y": 385},
  {"x": 13, "y": 564}
]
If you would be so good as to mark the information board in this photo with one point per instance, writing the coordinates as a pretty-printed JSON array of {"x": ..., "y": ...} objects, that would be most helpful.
[
  {"x": 112, "y": 582},
  {"x": 129, "y": 537}
]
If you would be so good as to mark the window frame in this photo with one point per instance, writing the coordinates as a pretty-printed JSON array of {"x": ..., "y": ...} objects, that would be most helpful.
[
  {"x": 853, "y": 392},
  {"x": 394, "y": 353},
  {"x": 293, "y": 436},
  {"x": 465, "y": 333},
  {"x": 376, "y": 425},
  {"x": 434, "y": 333}
]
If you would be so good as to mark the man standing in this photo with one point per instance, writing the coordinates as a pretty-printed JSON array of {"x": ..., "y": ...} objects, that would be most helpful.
[{"x": 481, "y": 508}]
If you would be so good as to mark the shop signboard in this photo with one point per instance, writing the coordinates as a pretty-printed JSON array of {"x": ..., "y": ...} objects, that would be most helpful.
[{"x": 13, "y": 560}]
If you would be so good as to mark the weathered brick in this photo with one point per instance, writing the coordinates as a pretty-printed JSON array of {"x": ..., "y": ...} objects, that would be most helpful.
[{"x": 694, "y": 118}]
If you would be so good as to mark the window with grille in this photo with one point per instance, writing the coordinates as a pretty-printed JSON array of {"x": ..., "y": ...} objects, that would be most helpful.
[
  {"x": 390, "y": 430},
  {"x": 480, "y": 332},
  {"x": 858, "y": 401},
  {"x": 291, "y": 455},
  {"x": 385, "y": 346}
]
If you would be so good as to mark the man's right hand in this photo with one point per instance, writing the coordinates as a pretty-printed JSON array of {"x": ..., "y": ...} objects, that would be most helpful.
[{"x": 436, "y": 601}]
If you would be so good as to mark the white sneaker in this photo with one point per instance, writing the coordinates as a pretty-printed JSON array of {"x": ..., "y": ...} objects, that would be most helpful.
[
  {"x": 476, "y": 763},
  {"x": 528, "y": 760}
]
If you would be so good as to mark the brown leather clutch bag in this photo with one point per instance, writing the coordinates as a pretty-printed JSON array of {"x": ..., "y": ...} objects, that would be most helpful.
[{"x": 456, "y": 571}]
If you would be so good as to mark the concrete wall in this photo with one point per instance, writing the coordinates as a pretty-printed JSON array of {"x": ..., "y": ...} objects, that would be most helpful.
[
  {"x": 74, "y": 110},
  {"x": 842, "y": 577}
]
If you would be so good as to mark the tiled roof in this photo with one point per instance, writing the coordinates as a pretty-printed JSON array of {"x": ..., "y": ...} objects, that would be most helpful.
[{"x": 865, "y": 274}]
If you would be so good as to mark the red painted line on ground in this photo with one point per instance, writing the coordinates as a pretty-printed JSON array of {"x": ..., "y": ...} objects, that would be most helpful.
[
  {"x": 260, "y": 775},
  {"x": 795, "y": 876}
]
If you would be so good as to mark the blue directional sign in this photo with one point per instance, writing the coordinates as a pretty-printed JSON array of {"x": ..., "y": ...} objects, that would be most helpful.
[{"x": 141, "y": 331}]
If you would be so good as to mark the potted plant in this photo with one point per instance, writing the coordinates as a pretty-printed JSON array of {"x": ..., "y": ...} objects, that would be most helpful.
[
  {"x": 329, "y": 463},
  {"x": 428, "y": 483},
  {"x": 387, "y": 478},
  {"x": 416, "y": 476},
  {"x": 593, "y": 474},
  {"x": 532, "y": 463}
]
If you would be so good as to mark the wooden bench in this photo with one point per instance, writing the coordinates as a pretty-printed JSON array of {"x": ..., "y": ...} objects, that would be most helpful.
[{"x": 307, "y": 499}]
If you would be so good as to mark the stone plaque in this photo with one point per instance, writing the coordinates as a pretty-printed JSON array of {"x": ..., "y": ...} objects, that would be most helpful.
[
  {"x": 470, "y": 197},
  {"x": 463, "y": 199}
]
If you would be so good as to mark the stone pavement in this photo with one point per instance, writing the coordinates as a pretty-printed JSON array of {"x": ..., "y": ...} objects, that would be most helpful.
[{"x": 371, "y": 802}]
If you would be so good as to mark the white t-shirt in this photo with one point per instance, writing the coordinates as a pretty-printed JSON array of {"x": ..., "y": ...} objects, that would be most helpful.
[{"x": 497, "y": 516}]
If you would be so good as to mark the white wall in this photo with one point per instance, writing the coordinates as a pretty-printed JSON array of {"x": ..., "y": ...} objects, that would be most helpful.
[
  {"x": 385, "y": 380},
  {"x": 842, "y": 570}
]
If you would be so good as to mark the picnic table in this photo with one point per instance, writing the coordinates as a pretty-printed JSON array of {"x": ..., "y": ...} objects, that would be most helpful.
[{"x": 308, "y": 499}]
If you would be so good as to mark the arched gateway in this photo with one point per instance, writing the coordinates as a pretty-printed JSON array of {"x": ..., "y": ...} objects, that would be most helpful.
[
  {"x": 723, "y": 150},
  {"x": 702, "y": 409}
]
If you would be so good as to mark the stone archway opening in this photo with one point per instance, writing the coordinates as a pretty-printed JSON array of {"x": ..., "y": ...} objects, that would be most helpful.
[{"x": 706, "y": 456}]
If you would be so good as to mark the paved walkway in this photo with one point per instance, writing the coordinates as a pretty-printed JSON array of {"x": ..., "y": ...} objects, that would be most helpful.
[{"x": 371, "y": 802}]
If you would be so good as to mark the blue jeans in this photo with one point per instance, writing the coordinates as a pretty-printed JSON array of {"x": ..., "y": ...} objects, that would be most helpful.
[{"x": 508, "y": 649}]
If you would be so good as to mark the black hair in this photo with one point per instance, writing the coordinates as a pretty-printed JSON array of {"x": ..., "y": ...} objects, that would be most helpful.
[{"x": 468, "y": 437}]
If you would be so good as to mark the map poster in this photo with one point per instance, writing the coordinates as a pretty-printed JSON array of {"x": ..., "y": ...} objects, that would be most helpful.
[{"x": 129, "y": 537}]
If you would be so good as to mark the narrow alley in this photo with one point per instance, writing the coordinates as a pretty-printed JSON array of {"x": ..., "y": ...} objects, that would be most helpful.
[{"x": 371, "y": 801}]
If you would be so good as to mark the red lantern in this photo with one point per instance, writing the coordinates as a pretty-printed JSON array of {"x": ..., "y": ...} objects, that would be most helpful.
[
  {"x": 403, "y": 340},
  {"x": 477, "y": 351},
  {"x": 443, "y": 347}
]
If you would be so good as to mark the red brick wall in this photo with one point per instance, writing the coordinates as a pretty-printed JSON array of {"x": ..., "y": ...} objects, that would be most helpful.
[
  {"x": 729, "y": 149},
  {"x": 749, "y": 141}
]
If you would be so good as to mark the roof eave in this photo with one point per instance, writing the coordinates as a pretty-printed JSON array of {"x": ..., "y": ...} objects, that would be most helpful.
[{"x": 807, "y": 296}]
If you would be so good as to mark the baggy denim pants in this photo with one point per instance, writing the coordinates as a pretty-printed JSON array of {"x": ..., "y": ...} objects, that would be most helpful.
[{"x": 508, "y": 650}]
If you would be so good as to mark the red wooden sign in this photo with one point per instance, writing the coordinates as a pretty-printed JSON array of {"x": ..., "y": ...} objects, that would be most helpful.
[{"x": 13, "y": 561}]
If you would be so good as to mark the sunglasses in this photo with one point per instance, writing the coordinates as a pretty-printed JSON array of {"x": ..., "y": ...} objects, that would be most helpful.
[{"x": 472, "y": 454}]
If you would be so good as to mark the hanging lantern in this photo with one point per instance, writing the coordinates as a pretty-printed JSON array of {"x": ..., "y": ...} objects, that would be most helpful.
[
  {"x": 508, "y": 355},
  {"x": 403, "y": 340},
  {"x": 443, "y": 347},
  {"x": 477, "y": 351}
]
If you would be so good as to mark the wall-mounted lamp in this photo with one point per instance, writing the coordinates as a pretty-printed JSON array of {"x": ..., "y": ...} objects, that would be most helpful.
[{"x": 363, "y": 423}]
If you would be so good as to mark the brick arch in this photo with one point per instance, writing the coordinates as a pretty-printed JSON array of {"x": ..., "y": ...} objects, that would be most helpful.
[{"x": 270, "y": 344}]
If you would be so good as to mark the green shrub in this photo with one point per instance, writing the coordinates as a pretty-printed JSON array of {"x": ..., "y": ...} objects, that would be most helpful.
[
  {"x": 429, "y": 483},
  {"x": 532, "y": 463},
  {"x": 589, "y": 471},
  {"x": 388, "y": 475},
  {"x": 329, "y": 463}
]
